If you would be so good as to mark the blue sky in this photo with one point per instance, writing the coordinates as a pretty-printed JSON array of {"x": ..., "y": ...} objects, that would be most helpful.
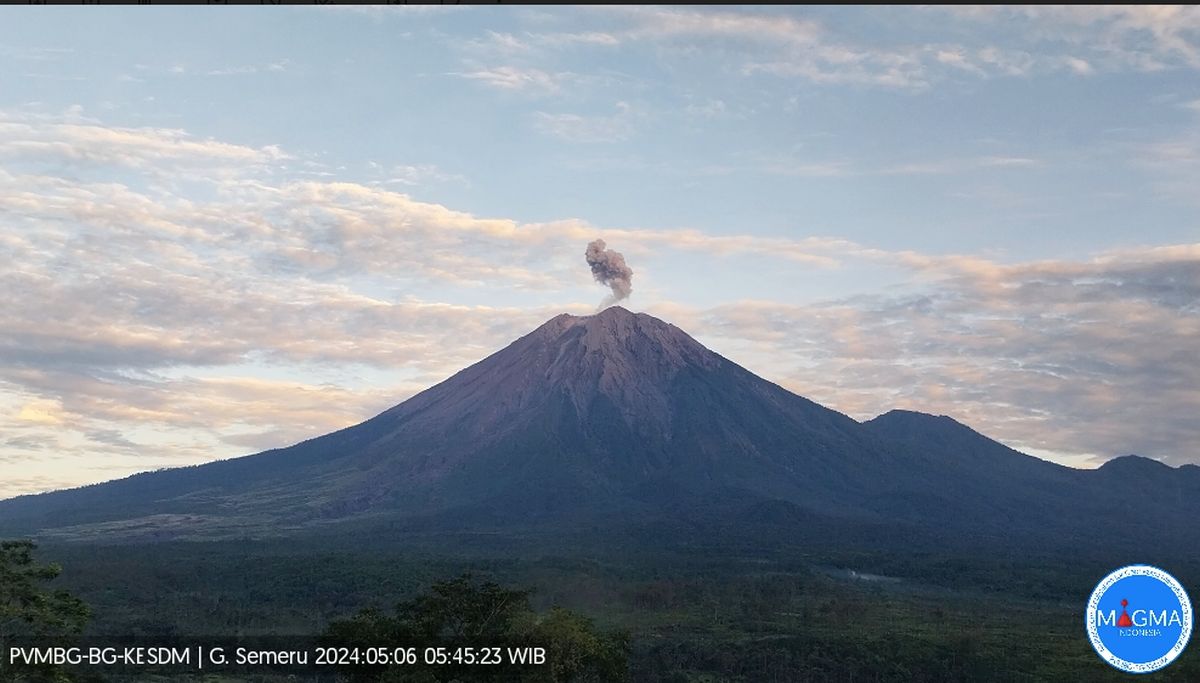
[{"x": 233, "y": 228}]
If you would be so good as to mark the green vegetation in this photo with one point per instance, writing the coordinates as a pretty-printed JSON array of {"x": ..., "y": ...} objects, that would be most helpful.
[
  {"x": 691, "y": 615},
  {"x": 465, "y": 612},
  {"x": 28, "y": 609}
]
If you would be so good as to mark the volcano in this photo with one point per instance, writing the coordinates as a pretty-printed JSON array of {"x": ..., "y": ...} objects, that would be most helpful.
[{"x": 621, "y": 418}]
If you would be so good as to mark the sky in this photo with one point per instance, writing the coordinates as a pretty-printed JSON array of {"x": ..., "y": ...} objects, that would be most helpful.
[{"x": 227, "y": 229}]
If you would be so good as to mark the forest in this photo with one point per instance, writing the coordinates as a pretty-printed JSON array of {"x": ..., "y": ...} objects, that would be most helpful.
[{"x": 673, "y": 616}]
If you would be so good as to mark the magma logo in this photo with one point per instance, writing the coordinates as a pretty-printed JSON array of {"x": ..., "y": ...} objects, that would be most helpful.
[{"x": 1139, "y": 619}]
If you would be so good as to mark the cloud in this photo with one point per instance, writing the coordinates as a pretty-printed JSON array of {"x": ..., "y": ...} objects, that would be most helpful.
[
  {"x": 146, "y": 315},
  {"x": 143, "y": 148},
  {"x": 499, "y": 43},
  {"x": 244, "y": 70},
  {"x": 1121, "y": 37},
  {"x": 582, "y": 38},
  {"x": 151, "y": 326},
  {"x": 710, "y": 109},
  {"x": 1093, "y": 358},
  {"x": 947, "y": 166},
  {"x": 413, "y": 175},
  {"x": 381, "y": 12},
  {"x": 41, "y": 411},
  {"x": 784, "y": 45},
  {"x": 1174, "y": 161},
  {"x": 660, "y": 23},
  {"x": 1079, "y": 66},
  {"x": 588, "y": 129},
  {"x": 958, "y": 58},
  {"x": 757, "y": 42},
  {"x": 1020, "y": 42},
  {"x": 778, "y": 44},
  {"x": 518, "y": 79},
  {"x": 790, "y": 165}
]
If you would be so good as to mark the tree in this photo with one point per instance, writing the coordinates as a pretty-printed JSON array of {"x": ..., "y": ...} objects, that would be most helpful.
[
  {"x": 466, "y": 612},
  {"x": 463, "y": 608},
  {"x": 577, "y": 652},
  {"x": 29, "y": 610}
]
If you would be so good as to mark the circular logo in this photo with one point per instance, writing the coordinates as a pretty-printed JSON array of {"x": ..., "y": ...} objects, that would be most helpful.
[{"x": 1139, "y": 619}]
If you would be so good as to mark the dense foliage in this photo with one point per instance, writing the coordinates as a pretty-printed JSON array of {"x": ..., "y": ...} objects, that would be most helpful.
[
  {"x": 30, "y": 610},
  {"x": 697, "y": 615},
  {"x": 465, "y": 612}
]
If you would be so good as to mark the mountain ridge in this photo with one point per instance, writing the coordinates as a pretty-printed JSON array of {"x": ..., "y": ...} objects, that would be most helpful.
[{"x": 612, "y": 416}]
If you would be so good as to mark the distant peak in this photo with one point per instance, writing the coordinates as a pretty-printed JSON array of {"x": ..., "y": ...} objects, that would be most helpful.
[
  {"x": 1135, "y": 463},
  {"x": 913, "y": 424},
  {"x": 900, "y": 416},
  {"x": 898, "y": 413}
]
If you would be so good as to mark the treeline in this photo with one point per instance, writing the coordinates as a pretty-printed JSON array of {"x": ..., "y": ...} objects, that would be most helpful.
[{"x": 697, "y": 618}]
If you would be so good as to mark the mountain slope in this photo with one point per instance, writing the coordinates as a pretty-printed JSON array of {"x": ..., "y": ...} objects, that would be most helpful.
[
  {"x": 1129, "y": 497},
  {"x": 611, "y": 411},
  {"x": 612, "y": 419}
]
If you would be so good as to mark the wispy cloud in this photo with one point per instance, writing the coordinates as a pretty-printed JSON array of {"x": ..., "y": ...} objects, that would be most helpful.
[
  {"x": 1140, "y": 37},
  {"x": 87, "y": 143},
  {"x": 587, "y": 129},
  {"x": 415, "y": 175},
  {"x": 1086, "y": 357},
  {"x": 35, "y": 53},
  {"x": 1080, "y": 41},
  {"x": 273, "y": 67},
  {"x": 1175, "y": 160},
  {"x": 394, "y": 11},
  {"x": 778, "y": 44},
  {"x": 143, "y": 315},
  {"x": 518, "y": 79},
  {"x": 946, "y": 166}
]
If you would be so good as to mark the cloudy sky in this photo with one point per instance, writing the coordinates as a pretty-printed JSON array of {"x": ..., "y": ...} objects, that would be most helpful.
[{"x": 223, "y": 230}]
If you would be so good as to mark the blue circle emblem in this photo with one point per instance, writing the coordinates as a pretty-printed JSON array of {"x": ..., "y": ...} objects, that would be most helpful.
[{"x": 1139, "y": 619}]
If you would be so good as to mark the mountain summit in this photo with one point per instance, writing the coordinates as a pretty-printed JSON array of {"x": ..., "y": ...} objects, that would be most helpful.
[
  {"x": 617, "y": 358},
  {"x": 610, "y": 419},
  {"x": 594, "y": 409}
]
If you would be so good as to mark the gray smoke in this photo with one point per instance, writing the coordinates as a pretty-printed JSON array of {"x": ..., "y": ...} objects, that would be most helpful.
[{"x": 608, "y": 267}]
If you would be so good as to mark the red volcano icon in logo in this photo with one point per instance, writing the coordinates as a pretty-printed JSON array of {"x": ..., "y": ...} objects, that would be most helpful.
[{"x": 1124, "y": 621}]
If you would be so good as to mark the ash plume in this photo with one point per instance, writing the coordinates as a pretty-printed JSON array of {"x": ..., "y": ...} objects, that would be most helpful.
[{"x": 608, "y": 268}]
